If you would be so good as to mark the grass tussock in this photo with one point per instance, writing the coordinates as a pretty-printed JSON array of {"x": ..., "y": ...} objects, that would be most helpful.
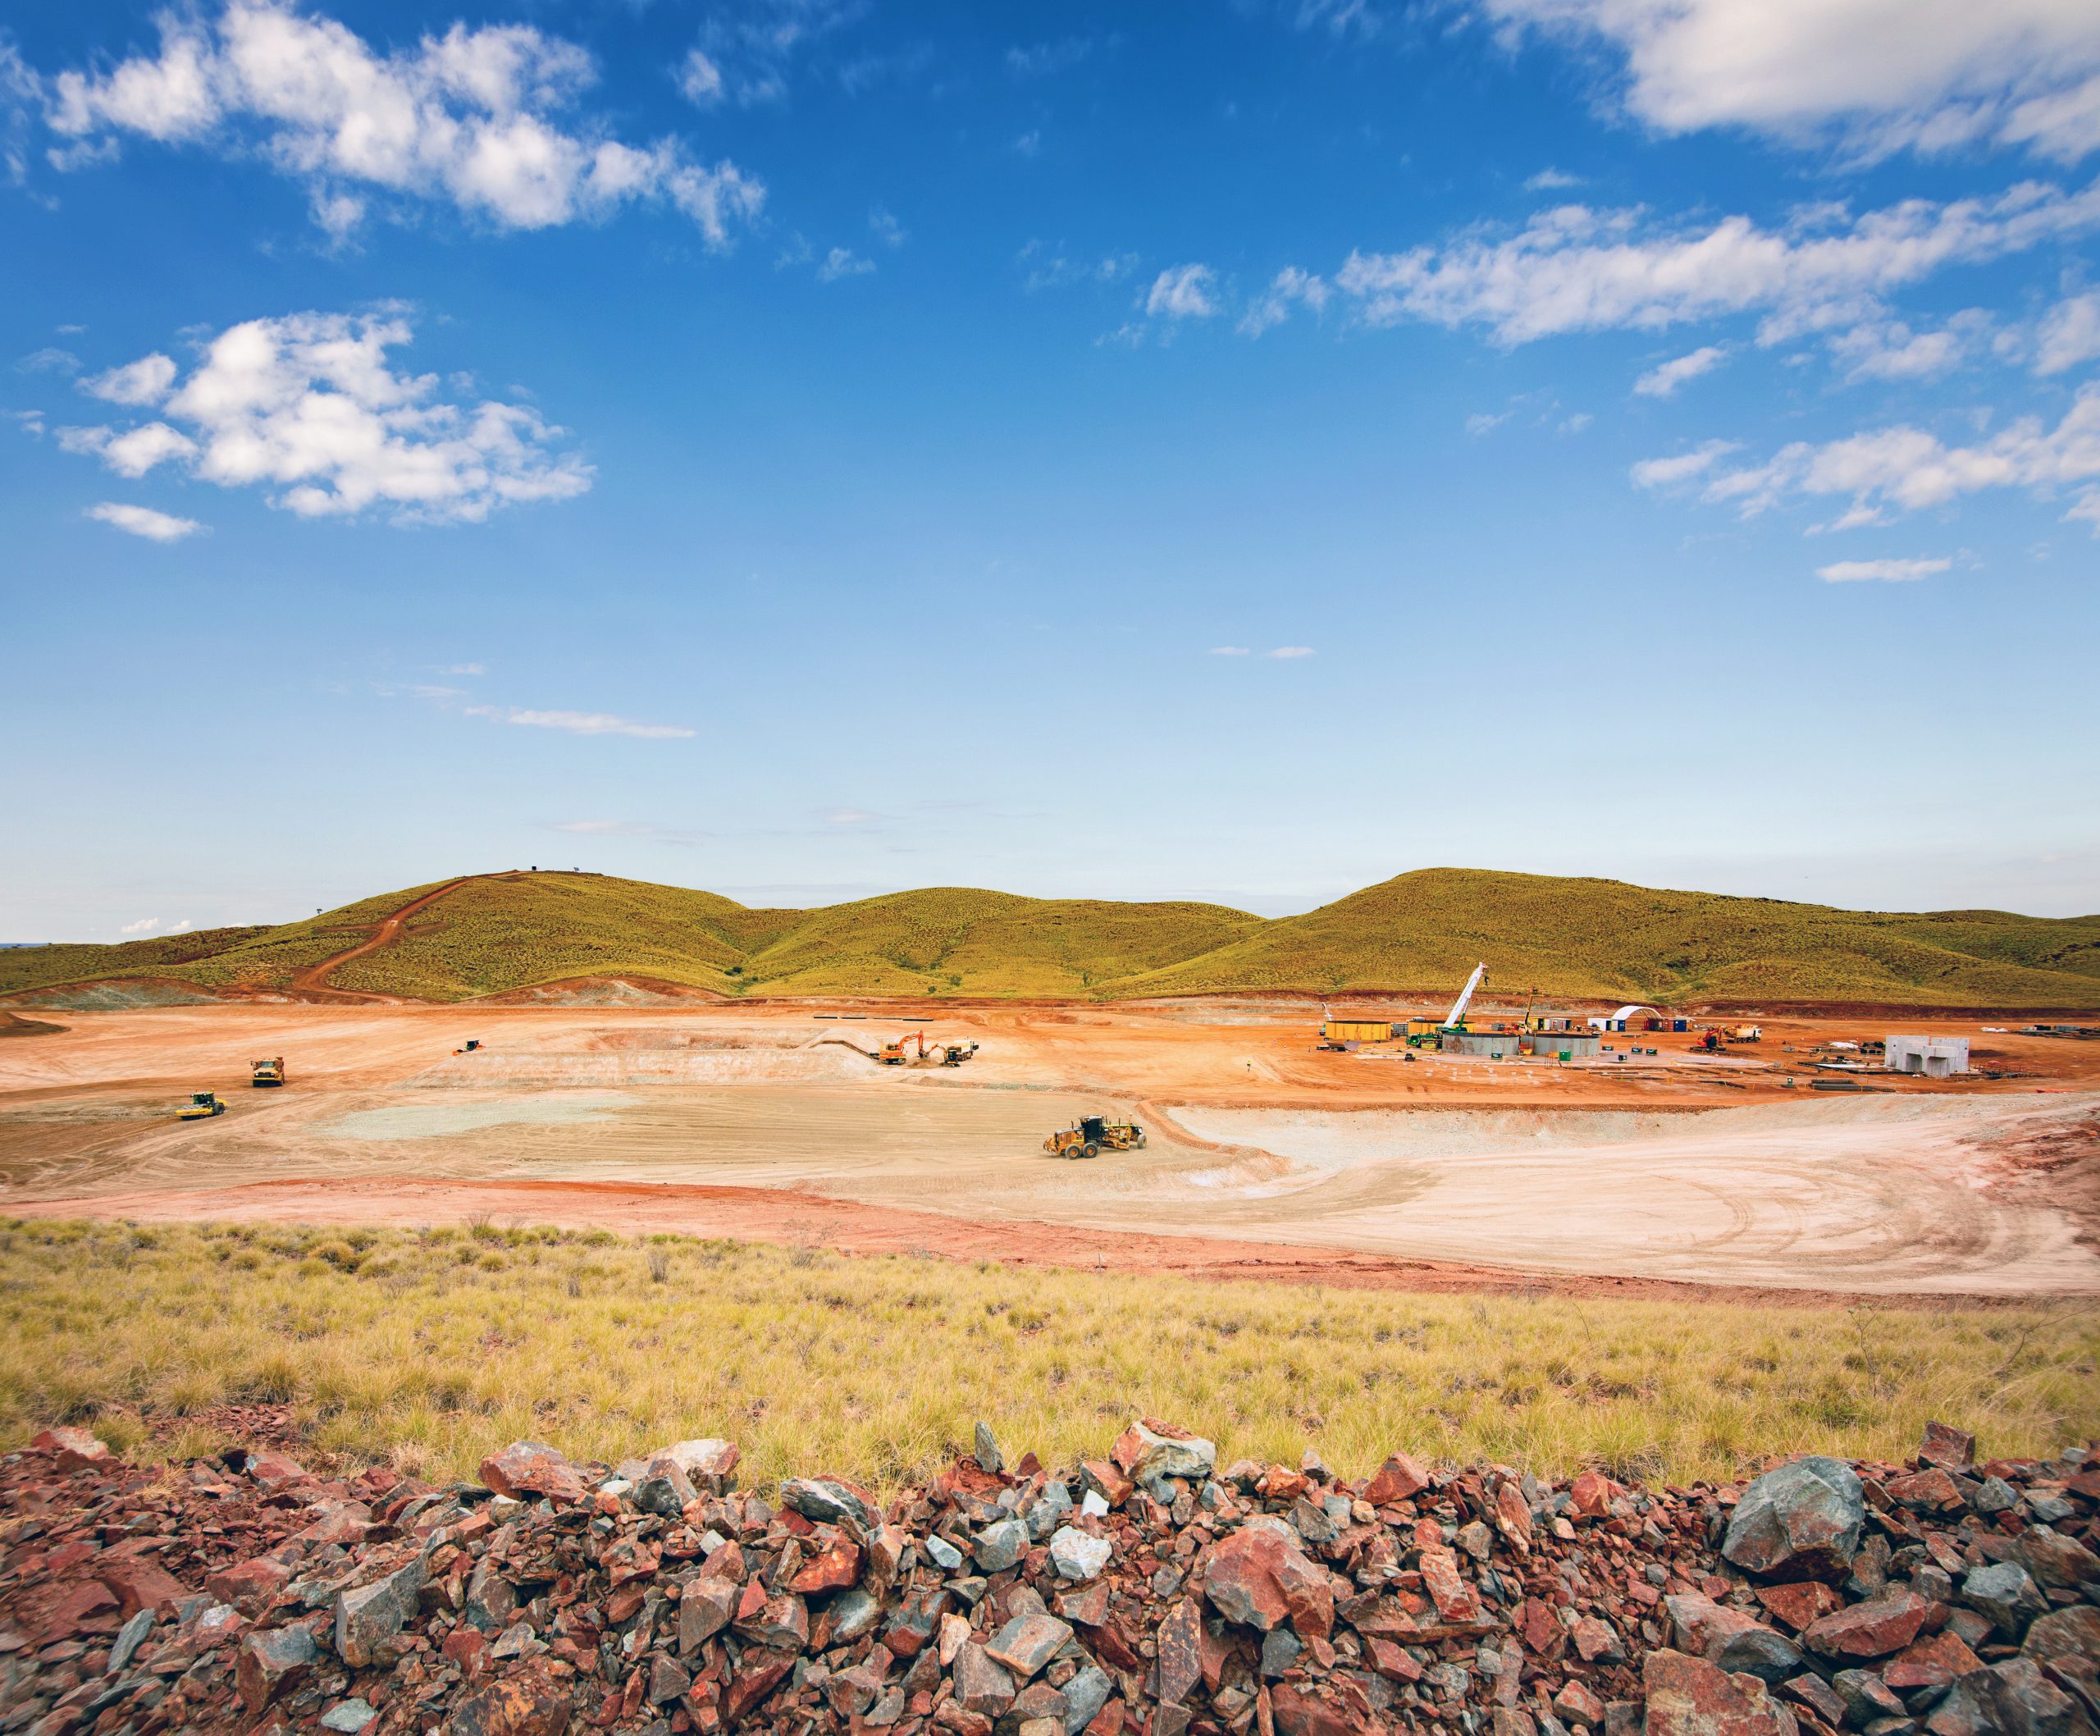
[{"x": 429, "y": 1348}]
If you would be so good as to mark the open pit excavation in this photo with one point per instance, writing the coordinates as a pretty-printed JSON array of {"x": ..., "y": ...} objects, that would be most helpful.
[{"x": 778, "y": 1121}]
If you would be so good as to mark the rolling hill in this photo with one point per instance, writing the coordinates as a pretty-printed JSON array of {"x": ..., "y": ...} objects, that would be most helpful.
[{"x": 1419, "y": 933}]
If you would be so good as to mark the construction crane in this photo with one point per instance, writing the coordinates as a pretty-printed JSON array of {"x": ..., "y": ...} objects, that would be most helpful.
[{"x": 1457, "y": 1020}]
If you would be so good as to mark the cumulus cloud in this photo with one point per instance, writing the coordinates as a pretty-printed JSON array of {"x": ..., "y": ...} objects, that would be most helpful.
[
  {"x": 1846, "y": 572},
  {"x": 581, "y": 723},
  {"x": 1661, "y": 472},
  {"x": 1183, "y": 292},
  {"x": 145, "y": 381},
  {"x": 143, "y": 926},
  {"x": 1552, "y": 181},
  {"x": 1906, "y": 469},
  {"x": 1288, "y": 651},
  {"x": 1662, "y": 380},
  {"x": 308, "y": 405},
  {"x": 1577, "y": 269},
  {"x": 1883, "y": 75},
  {"x": 143, "y": 521},
  {"x": 1290, "y": 288},
  {"x": 478, "y": 119},
  {"x": 49, "y": 360}
]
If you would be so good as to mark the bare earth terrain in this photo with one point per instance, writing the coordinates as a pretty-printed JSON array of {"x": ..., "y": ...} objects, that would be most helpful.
[{"x": 1265, "y": 1156}]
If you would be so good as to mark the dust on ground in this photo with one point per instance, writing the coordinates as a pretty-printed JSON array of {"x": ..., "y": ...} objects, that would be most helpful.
[{"x": 1665, "y": 1169}]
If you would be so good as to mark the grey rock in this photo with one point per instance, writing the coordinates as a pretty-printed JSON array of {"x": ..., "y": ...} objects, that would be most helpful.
[
  {"x": 1192, "y": 1458},
  {"x": 375, "y": 1613},
  {"x": 941, "y": 1552},
  {"x": 1027, "y": 1642},
  {"x": 989, "y": 1458},
  {"x": 980, "y": 1684},
  {"x": 664, "y": 1488},
  {"x": 2004, "y": 1592},
  {"x": 1279, "y": 1650},
  {"x": 1078, "y": 1557},
  {"x": 1866, "y": 1697},
  {"x": 1802, "y": 1521},
  {"x": 129, "y": 1638},
  {"x": 828, "y": 1502},
  {"x": 2014, "y": 1699},
  {"x": 348, "y": 1716},
  {"x": 1048, "y": 1511},
  {"x": 853, "y": 1613},
  {"x": 1759, "y": 1651},
  {"x": 998, "y": 1547},
  {"x": 1084, "y": 1696}
]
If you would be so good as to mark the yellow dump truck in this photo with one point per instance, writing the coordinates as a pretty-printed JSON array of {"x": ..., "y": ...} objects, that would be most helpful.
[{"x": 266, "y": 1072}]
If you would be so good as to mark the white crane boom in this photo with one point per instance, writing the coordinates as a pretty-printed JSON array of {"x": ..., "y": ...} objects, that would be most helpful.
[{"x": 1466, "y": 995}]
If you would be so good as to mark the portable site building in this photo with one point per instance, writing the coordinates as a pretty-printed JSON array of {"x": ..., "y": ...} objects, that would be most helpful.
[
  {"x": 1493, "y": 1043},
  {"x": 1937, "y": 1058},
  {"x": 1356, "y": 1030}
]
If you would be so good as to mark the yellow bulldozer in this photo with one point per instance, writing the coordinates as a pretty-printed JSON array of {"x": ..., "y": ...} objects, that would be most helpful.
[
  {"x": 266, "y": 1072},
  {"x": 201, "y": 1105},
  {"x": 1092, "y": 1135}
]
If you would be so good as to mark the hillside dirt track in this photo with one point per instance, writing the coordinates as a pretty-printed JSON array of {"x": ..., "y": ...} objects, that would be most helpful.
[{"x": 1266, "y": 1157}]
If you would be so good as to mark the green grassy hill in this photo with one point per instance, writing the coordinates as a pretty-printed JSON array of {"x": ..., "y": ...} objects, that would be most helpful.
[{"x": 1418, "y": 934}]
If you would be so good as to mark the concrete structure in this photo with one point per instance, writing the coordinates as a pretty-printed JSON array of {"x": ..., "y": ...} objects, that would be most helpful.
[
  {"x": 1495, "y": 1043},
  {"x": 1569, "y": 1045},
  {"x": 1937, "y": 1058}
]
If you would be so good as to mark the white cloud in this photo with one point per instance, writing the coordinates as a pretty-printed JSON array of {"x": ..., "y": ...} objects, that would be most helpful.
[
  {"x": 1029, "y": 144},
  {"x": 1183, "y": 292},
  {"x": 1881, "y": 73},
  {"x": 1040, "y": 58},
  {"x": 1662, "y": 380},
  {"x": 1661, "y": 472},
  {"x": 1907, "y": 469},
  {"x": 743, "y": 54},
  {"x": 1846, "y": 571},
  {"x": 1049, "y": 269},
  {"x": 182, "y": 927},
  {"x": 1486, "y": 422},
  {"x": 143, "y": 926},
  {"x": 462, "y": 668},
  {"x": 700, "y": 79},
  {"x": 1890, "y": 349},
  {"x": 145, "y": 381},
  {"x": 581, "y": 723},
  {"x": 143, "y": 521},
  {"x": 885, "y": 228},
  {"x": 604, "y": 828},
  {"x": 1291, "y": 285},
  {"x": 307, "y": 405},
  {"x": 1289, "y": 651},
  {"x": 847, "y": 816},
  {"x": 842, "y": 262},
  {"x": 1552, "y": 181},
  {"x": 1229, "y": 650},
  {"x": 2070, "y": 334},
  {"x": 1576, "y": 269},
  {"x": 49, "y": 360},
  {"x": 474, "y": 119}
]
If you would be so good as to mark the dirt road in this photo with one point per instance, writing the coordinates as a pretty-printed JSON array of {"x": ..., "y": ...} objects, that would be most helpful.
[
  {"x": 1669, "y": 1169},
  {"x": 313, "y": 979}
]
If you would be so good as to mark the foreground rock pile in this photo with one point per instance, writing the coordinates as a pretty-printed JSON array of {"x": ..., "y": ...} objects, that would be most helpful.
[{"x": 1148, "y": 1591}]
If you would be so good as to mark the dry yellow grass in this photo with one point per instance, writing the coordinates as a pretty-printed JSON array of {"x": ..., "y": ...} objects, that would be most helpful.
[{"x": 430, "y": 1348}]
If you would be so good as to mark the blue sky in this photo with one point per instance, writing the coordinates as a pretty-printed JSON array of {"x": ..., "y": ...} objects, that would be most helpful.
[{"x": 1242, "y": 451}]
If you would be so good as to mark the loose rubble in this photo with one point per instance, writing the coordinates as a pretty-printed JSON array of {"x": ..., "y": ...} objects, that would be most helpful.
[{"x": 1147, "y": 1591}]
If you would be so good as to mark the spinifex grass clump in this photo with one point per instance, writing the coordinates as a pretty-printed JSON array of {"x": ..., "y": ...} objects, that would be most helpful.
[{"x": 431, "y": 1348}]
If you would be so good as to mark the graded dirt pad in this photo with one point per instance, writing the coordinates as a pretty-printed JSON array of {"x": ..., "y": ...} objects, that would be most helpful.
[{"x": 771, "y": 1121}]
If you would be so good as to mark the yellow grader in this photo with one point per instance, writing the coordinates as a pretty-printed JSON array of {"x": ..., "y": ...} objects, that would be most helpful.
[{"x": 1092, "y": 1135}]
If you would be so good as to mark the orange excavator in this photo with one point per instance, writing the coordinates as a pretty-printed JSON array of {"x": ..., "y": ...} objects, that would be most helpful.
[
  {"x": 947, "y": 1054},
  {"x": 892, "y": 1054}
]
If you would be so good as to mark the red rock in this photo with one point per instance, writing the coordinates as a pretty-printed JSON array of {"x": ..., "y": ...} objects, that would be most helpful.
[
  {"x": 1457, "y": 1602},
  {"x": 251, "y": 1584},
  {"x": 1540, "y": 1630},
  {"x": 1390, "y": 1661},
  {"x": 1105, "y": 1480},
  {"x": 758, "y": 1675},
  {"x": 1591, "y": 1495},
  {"x": 1689, "y": 1696},
  {"x": 1398, "y": 1479},
  {"x": 1279, "y": 1483},
  {"x": 1243, "y": 1573},
  {"x": 1512, "y": 1518},
  {"x": 1799, "y": 1603},
  {"x": 1298, "y": 1714},
  {"x": 1930, "y": 1662},
  {"x": 72, "y": 1449},
  {"x": 1868, "y": 1630},
  {"x": 139, "y": 1583},
  {"x": 1179, "y": 1641},
  {"x": 1578, "y": 1705},
  {"x": 275, "y": 1471},
  {"x": 1595, "y": 1639},
  {"x": 1929, "y": 1490},
  {"x": 1948, "y": 1448},
  {"x": 525, "y": 1470},
  {"x": 75, "y": 1608},
  {"x": 532, "y": 1702},
  {"x": 832, "y": 1570},
  {"x": 465, "y": 1646}
]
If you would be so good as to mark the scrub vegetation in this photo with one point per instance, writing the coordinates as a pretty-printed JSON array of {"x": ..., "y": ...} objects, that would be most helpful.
[
  {"x": 1419, "y": 934},
  {"x": 429, "y": 1348}
]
